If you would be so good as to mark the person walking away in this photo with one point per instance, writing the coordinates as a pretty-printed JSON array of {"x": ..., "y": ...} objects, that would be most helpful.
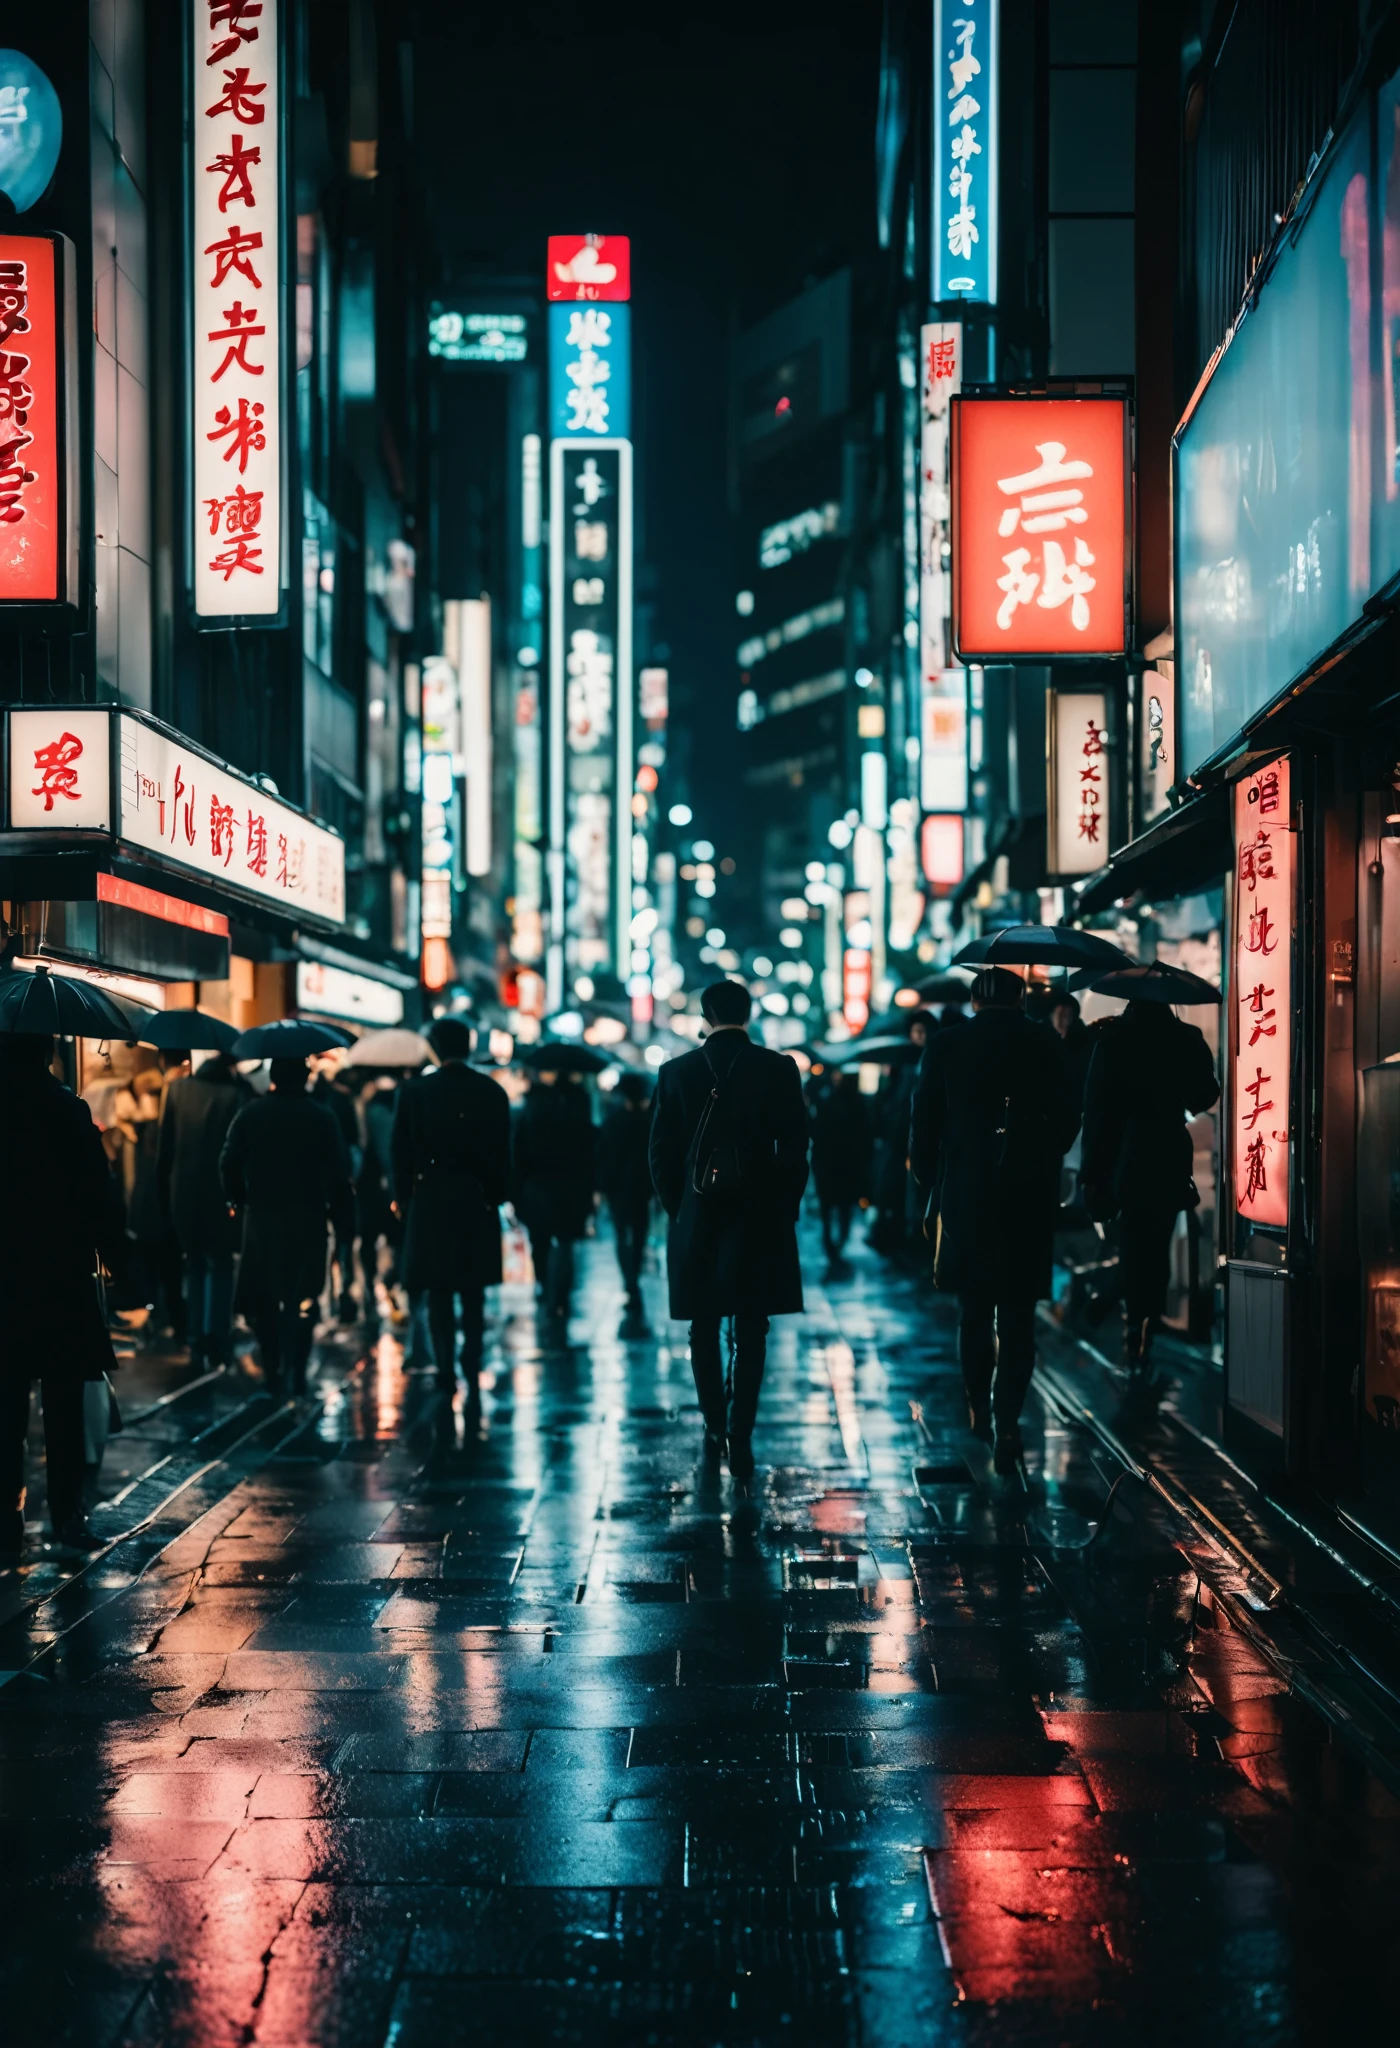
[
  {"x": 374, "y": 1195},
  {"x": 624, "y": 1177},
  {"x": 554, "y": 1179},
  {"x": 729, "y": 1162},
  {"x": 890, "y": 1231},
  {"x": 842, "y": 1145},
  {"x": 60, "y": 1213},
  {"x": 334, "y": 1094},
  {"x": 993, "y": 1117},
  {"x": 451, "y": 1171},
  {"x": 1078, "y": 1042},
  {"x": 1147, "y": 1075},
  {"x": 285, "y": 1166},
  {"x": 199, "y": 1108}
]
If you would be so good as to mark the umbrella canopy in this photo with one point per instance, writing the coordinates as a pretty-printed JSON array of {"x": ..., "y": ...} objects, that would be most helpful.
[
  {"x": 46, "y": 1005},
  {"x": 188, "y": 1031},
  {"x": 290, "y": 1038},
  {"x": 885, "y": 1051},
  {"x": 944, "y": 988},
  {"x": 558, "y": 1058},
  {"x": 1154, "y": 981},
  {"x": 393, "y": 1048},
  {"x": 1042, "y": 945}
]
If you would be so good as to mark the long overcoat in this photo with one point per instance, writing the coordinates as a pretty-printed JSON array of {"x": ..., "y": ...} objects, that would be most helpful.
[
  {"x": 624, "y": 1166},
  {"x": 732, "y": 1256},
  {"x": 843, "y": 1144},
  {"x": 193, "y": 1127},
  {"x": 60, "y": 1209},
  {"x": 1149, "y": 1072},
  {"x": 451, "y": 1172},
  {"x": 554, "y": 1170},
  {"x": 284, "y": 1164},
  {"x": 994, "y": 1114}
]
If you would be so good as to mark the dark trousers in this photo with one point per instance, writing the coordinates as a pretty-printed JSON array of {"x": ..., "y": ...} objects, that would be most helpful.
[
  {"x": 836, "y": 1228},
  {"x": 1144, "y": 1263},
  {"x": 748, "y": 1350},
  {"x": 631, "y": 1221},
  {"x": 344, "y": 1256},
  {"x": 209, "y": 1304},
  {"x": 442, "y": 1327},
  {"x": 63, "y": 1445},
  {"x": 165, "y": 1274},
  {"x": 996, "y": 1349},
  {"x": 284, "y": 1338},
  {"x": 554, "y": 1266}
]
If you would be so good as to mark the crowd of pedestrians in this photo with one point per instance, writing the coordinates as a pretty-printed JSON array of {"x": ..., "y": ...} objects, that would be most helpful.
[{"x": 211, "y": 1195}]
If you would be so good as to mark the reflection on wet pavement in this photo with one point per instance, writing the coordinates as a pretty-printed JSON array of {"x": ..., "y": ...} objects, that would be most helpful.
[{"x": 412, "y": 1729}]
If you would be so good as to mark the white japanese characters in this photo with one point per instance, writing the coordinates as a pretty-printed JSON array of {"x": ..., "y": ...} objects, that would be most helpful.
[
  {"x": 1058, "y": 579},
  {"x": 965, "y": 174}
]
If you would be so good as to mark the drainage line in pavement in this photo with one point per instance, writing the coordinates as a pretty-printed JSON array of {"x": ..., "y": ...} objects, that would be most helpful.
[{"x": 177, "y": 1394}]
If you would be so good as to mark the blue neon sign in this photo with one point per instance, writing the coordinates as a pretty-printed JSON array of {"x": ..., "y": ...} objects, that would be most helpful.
[
  {"x": 965, "y": 95},
  {"x": 590, "y": 372}
]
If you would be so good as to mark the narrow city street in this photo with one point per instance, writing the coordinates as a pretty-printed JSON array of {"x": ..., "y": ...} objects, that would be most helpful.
[{"x": 380, "y": 1729}]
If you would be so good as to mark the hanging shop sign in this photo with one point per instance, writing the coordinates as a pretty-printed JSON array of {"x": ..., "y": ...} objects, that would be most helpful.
[
  {"x": 941, "y": 849},
  {"x": 856, "y": 983},
  {"x": 1079, "y": 785},
  {"x": 38, "y": 479},
  {"x": 940, "y": 381},
  {"x": 1041, "y": 527},
  {"x": 236, "y": 272},
  {"x": 1261, "y": 986},
  {"x": 963, "y": 213},
  {"x": 590, "y": 372},
  {"x": 60, "y": 771},
  {"x": 466, "y": 335},
  {"x": 589, "y": 267},
  {"x": 31, "y": 130},
  {"x": 1156, "y": 737},
  {"x": 943, "y": 754},
  {"x": 327, "y": 991}
]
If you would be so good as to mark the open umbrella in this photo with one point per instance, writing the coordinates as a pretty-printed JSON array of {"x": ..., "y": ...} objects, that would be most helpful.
[
  {"x": 393, "y": 1048},
  {"x": 1041, "y": 945},
  {"x": 1152, "y": 981},
  {"x": 290, "y": 1038},
  {"x": 885, "y": 1051},
  {"x": 558, "y": 1058},
  {"x": 46, "y": 1005},
  {"x": 187, "y": 1031}
]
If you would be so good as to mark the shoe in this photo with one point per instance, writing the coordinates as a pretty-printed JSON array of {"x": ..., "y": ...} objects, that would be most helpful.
[
  {"x": 347, "y": 1311},
  {"x": 77, "y": 1537},
  {"x": 1006, "y": 1456},
  {"x": 713, "y": 1446},
  {"x": 741, "y": 1457},
  {"x": 979, "y": 1421}
]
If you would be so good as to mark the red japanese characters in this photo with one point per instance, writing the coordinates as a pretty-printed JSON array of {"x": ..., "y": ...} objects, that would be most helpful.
[
  {"x": 1261, "y": 989},
  {"x": 31, "y": 549}
]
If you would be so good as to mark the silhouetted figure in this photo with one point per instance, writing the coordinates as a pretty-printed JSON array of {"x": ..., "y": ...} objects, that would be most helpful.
[
  {"x": 729, "y": 1162},
  {"x": 890, "y": 1230},
  {"x": 993, "y": 1117},
  {"x": 842, "y": 1145},
  {"x": 624, "y": 1177},
  {"x": 451, "y": 1172},
  {"x": 199, "y": 1109},
  {"x": 335, "y": 1093},
  {"x": 554, "y": 1179},
  {"x": 60, "y": 1211},
  {"x": 285, "y": 1166},
  {"x": 1149, "y": 1072}
]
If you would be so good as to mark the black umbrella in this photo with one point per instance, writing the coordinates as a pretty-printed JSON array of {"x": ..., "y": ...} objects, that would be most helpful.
[
  {"x": 188, "y": 1031},
  {"x": 1153, "y": 981},
  {"x": 1042, "y": 945},
  {"x": 557, "y": 1058},
  {"x": 885, "y": 1051},
  {"x": 290, "y": 1038},
  {"x": 45, "y": 1005}
]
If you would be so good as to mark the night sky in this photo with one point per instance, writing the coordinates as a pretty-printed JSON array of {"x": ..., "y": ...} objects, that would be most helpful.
[{"x": 735, "y": 145}]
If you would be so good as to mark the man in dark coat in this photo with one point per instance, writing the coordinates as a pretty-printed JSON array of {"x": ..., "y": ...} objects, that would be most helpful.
[
  {"x": 451, "y": 1172},
  {"x": 841, "y": 1160},
  {"x": 334, "y": 1091},
  {"x": 285, "y": 1166},
  {"x": 60, "y": 1212},
  {"x": 1149, "y": 1072},
  {"x": 198, "y": 1111},
  {"x": 729, "y": 1162},
  {"x": 624, "y": 1177},
  {"x": 889, "y": 1233},
  {"x": 554, "y": 1179},
  {"x": 993, "y": 1117}
]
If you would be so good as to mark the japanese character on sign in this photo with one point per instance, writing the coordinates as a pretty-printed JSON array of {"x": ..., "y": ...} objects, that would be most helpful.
[
  {"x": 1262, "y": 938},
  {"x": 1256, "y": 1181},
  {"x": 16, "y": 393},
  {"x": 942, "y": 359},
  {"x": 1256, "y": 1088},
  {"x": 234, "y": 253},
  {"x": 591, "y": 540},
  {"x": 230, "y": 14},
  {"x": 221, "y": 829},
  {"x": 234, "y": 165},
  {"x": 256, "y": 860},
  {"x": 1261, "y": 1021},
  {"x": 240, "y": 98},
  {"x": 245, "y": 434},
  {"x": 1263, "y": 933},
  {"x": 1257, "y": 862},
  {"x": 58, "y": 776},
  {"x": 1090, "y": 779},
  {"x": 238, "y": 333},
  {"x": 1043, "y": 510},
  {"x": 590, "y": 484}
]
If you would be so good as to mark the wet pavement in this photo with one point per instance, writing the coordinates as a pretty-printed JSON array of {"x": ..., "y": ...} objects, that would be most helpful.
[{"x": 381, "y": 1725}]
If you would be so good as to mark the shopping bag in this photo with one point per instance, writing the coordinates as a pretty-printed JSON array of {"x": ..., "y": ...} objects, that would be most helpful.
[{"x": 517, "y": 1267}]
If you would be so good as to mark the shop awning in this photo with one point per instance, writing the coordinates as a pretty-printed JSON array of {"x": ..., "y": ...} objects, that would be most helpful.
[{"x": 1187, "y": 850}]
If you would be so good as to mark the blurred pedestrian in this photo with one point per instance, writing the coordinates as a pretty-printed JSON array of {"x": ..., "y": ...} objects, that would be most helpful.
[
  {"x": 842, "y": 1147},
  {"x": 890, "y": 1231},
  {"x": 1147, "y": 1075},
  {"x": 157, "y": 1266},
  {"x": 60, "y": 1213},
  {"x": 285, "y": 1166},
  {"x": 554, "y": 1179},
  {"x": 374, "y": 1194},
  {"x": 451, "y": 1172},
  {"x": 332, "y": 1088},
  {"x": 729, "y": 1162},
  {"x": 1076, "y": 1038},
  {"x": 199, "y": 1109},
  {"x": 624, "y": 1178},
  {"x": 993, "y": 1117}
]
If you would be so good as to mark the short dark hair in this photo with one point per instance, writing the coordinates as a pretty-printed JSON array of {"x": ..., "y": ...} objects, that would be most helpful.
[
  {"x": 997, "y": 988},
  {"x": 1063, "y": 1000},
  {"x": 726, "y": 1002},
  {"x": 288, "y": 1076},
  {"x": 633, "y": 1088},
  {"x": 451, "y": 1038},
  {"x": 25, "y": 1049}
]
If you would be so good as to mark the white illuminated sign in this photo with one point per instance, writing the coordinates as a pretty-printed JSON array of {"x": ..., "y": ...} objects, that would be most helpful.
[
  {"x": 965, "y": 142},
  {"x": 478, "y": 337},
  {"x": 1080, "y": 783},
  {"x": 788, "y": 537},
  {"x": 236, "y": 267},
  {"x": 328, "y": 991},
  {"x": 59, "y": 771}
]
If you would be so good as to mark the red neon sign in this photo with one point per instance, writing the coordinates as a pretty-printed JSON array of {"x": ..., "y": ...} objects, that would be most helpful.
[
  {"x": 589, "y": 267},
  {"x": 32, "y": 547}
]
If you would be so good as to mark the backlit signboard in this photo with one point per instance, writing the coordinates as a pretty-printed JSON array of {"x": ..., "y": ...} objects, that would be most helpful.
[
  {"x": 458, "y": 336},
  {"x": 1041, "y": 505},
  {"x": 590, "y": 372},
  {"x": 38, "y": 501},
  {"x": 589, "y": 267},
  {"x": 1262, "y": 992},
  {"x": 941, "y": 850},
  {"x": 60, "y": 770},
  {"x": 1080, "y": 782},
  {"x": 235, "y": 260},
  {"x": 963, "y": 214},
  {"x": 943, "y": 750}
]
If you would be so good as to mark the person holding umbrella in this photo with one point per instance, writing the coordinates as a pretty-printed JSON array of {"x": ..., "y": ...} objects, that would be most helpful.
[
  {"x": 285, "y": 1166},
  {"x": 60, "y": 1215},
  {"x": 199, "y": 1109},
  {"x": 553, "y": 1174},
  {"x": 450, "y": 1155},
  {"x": 1148, "y": 1073}
]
